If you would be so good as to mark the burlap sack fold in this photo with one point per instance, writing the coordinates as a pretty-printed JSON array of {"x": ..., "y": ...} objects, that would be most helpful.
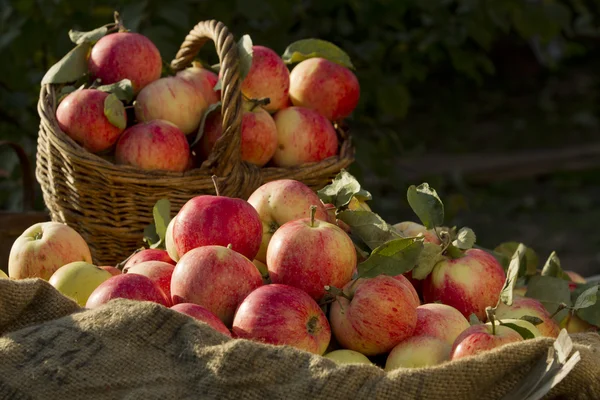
[{"x": 52, "y": 349}]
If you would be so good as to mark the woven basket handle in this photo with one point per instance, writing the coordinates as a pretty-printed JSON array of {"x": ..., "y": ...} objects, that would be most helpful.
[
  {"x": 226, "y": 152},
  {"x": 26, "y": 172}
]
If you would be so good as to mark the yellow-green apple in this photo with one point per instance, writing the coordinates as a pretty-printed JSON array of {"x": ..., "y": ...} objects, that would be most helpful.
[
  {"x": 522, "y": 306},
  {"x": 479, "y": 338},
  {"x": 203, "y": 80},
  {"x": 417, "y": 352},
  {"x": 125, "y": 55},
  {"x": 217, "y": 220},
  {"x": 345, "y": 356},
  {"x": 325, "y": 86},
  {"x": 310, "y": 254},
  {"x": 268, "y": 77},
  {"x": 264, "y": 271},
  {"x": 259, "y": 135},
  {"x": 573, "y": 324},
  {"x": 303, "y": 136},
  {"x": 78, "y": 280},
  {"x": 410, "y": 229},
  {"x": 159, "y": 272},
  {"x": 148, "y": 255},
  {"x": 215, "y": 277},
  {"x": 469, "y": 283},
  {"x": 171, "y": 99},
  {"x": 440, "y": 321},
  {"x": 281, "y": 201},
  {"x": 154, "y": 145},
  {"x": 282, "y": 315},
  {"x": 521, "y": 323},
  {"x": 202, "y": 314},
  {"x": 169, "y": 243},
  {"x": 112, "y": 270},
  {"x": 374, "y": 315},
  {"x": 127, "y": 286},
  {"x": 81, "y": 116},
  {"x": 3, "y": 275},
  {"x": 45, "y": 247}
]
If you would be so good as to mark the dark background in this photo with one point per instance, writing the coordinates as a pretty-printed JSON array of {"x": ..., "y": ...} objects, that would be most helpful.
[{"x": 446, "y": 87}]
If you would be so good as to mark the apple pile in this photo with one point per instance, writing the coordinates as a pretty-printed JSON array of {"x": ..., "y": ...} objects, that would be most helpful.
[
  {"x": 323, "y": 273},
  {"x": 127, "y": 108}
]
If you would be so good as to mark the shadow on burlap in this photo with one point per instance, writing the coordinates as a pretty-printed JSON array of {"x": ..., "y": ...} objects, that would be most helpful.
[{"x": 52, "y": 349}]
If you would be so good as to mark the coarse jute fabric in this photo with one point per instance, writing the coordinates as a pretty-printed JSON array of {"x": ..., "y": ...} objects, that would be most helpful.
[
  {"x": 110, "y": 204},
  {"x": 50, "y": 348}
]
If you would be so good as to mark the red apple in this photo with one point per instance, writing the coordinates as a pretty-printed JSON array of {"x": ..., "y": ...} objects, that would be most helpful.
[
  {"x": 203, "y": 80},
  {"x": 416, "y": 283},
  {"x": 215, "y": 277},
  {"x": 148, "y": 255},
  {"x": 281, "y": 201},
  {"x": 283, "y": 315},
  {"x": 303, "y": 136},
  {"x": 469, "y": 283},
  {"x": 45, "y": 247},
  {"x": 380, "y": 314},
  {"x": 159, "y": 272},
  {"x": 217, "y": 220},
  {"x": 171, "y": 99},
  {"x": 268, "y": 77},
  {"x": 522, "y": 306},
  {"x": 202, "y": 314},
  {"x": 440, "y": 321},
  {"x": 112, "y": 270},
  {"x": 324, "y": 86},
  {"x": 81, "y": 116},
  {"x": 409, "y": 286},
  {"x": 125, "y": 55},
  {"x": 154, "y": 145},
  {"x": 127, "y": 286},
  {"x": 310, "y": 254},
  {"x": 259, "y": 135},
  {"x": 418, "y": 352},
  {"x": 479, "y": 338}
]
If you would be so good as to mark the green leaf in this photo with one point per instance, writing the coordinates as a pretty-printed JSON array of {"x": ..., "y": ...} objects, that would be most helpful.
[
  {"x": 553, "y": 268},
  {"x": 428, "y": 258},
  {"x": 342, "y": 189},
  {"x": 524, "y": 332},
  {"x": 245, "y": 52},
  {"x": 122, "y": 89},
  {"x": 586, "y": 299},
  {"x": 92, "y": 37},
  {"x": 465, "y": 239},
  {"x": 531, "y": 319},
  {"x": 590, "y": 314},
  {"x": 150, "y": 236},
  {"x": 162, "y": 216},
  {"x": 369, "y": 227},
  {"x": 473, "y": 320},
  {"x": 392, "y": 258},
  {"x": 69, "y": 68},
  {"x": 529, "y": 266},
  {"x": 211, "y": 108},
  {"x": 551, "y": 291},
  {"x": 426, "y": 204},
  {"x": 115, "y": 111},
  {"x": 308, "y": 48},
  {"x": 506, "y": 295}
]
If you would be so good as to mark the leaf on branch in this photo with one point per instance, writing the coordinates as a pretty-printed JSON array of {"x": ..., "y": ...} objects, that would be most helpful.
[
  {"x": 426, "y": 204},
  {"x": 392, "y": 258},
  {"x": 342, "y": 189}
]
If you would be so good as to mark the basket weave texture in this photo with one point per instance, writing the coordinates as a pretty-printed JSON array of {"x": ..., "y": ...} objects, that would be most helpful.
[{"x": 110, "y": 205}]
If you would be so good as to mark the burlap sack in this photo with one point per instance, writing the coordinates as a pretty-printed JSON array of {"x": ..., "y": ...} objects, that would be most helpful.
[{"x": 52, "y": 349}]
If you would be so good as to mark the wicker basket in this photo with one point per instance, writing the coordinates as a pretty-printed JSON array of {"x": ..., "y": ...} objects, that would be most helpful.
[{"x": 111, "y": 204}]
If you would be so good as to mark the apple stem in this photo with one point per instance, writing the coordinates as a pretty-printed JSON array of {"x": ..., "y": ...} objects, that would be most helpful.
[
  {"x": 561, "y": 307},
  {"x": 490, "y": 314},
  {"x": 259, "y": 102},
  {"x": 229, "y": 246},
  {"x": 119, "y": 22},
  {"x": 313, "y": 211},
  {"x": 214, "y": 179}
]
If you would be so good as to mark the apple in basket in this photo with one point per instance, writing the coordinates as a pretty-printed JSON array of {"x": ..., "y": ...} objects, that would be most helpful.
[
  {"x": 481, "y": 337},
  {"x": 203, "y": 80},
  {"x": 283, "y": 315},
  {"x": 281, "y": 201},
  {"x": 125, "y": 55},
  {"x": 3, "y": 275},
  {"x": 202, "y": 314},
  {"x": 345, "y": 356},
  {"x": 216, "y": 278},
  {"x": 311, "y": 254},
  {"x": 259, "y": 135},
  {"x": 522, "y": 306},
  {"x": 45, "y": 247},
  {"x": 127, "y": 286},
  {"x": 78, "y": 280},
  {"x": 303, "y": 136},
  {"x": 112, "y": 270},
  {"x": 159, "y": 272},
  {"x": 417, "y": 352},
  {"x": 148, "y": 255},
  {"x": 268, "y": 77},
  {"x": 324, "y": 86}
]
